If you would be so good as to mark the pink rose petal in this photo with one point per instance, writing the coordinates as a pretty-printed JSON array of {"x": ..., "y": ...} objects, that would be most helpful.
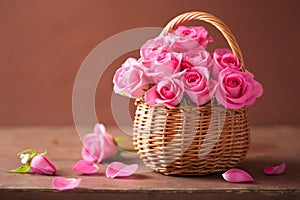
[
  {"x": 61, "y": 183},
  {"x": 237, "y": 175},
  {"x": 85, "y": 167},
  {"x": 275, "y": 170},
  {"x": 118, "y": 169}
]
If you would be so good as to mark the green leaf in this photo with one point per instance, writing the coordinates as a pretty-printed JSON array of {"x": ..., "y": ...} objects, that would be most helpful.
[{"x": 22, "y": 169}]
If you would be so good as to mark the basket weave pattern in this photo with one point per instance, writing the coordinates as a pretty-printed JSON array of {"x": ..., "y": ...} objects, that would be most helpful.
[
  {"x": 170, "y": 140},
  {"x": 192, "y": 140}
]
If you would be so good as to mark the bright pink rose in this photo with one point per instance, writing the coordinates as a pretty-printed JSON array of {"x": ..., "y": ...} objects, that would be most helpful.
[
  {"x": 168, "y": 91},
  {"x": 224, "y": 58},
  {"x": 130, "y": 79},
  {"x": 187, "y": 38},
  {"x": 197, "y": 85},
  {"x": 41, "y": 165},
  {"x": 236, "y": 89},
  {"x": 164, "y": 65},
  {"x": 98, "y": 146},
  {"x": 153, "y": 47},
  {"x": 196, "y": 58}
]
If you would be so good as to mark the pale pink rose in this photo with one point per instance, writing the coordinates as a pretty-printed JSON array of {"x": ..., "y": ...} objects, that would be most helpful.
[
  {"x": 41, "y": 165},
  {"x": 225, "y": 58},
  {"x": 187, "y": 38},
  {"x": 236, "y": 89},
  {"x": 164, "y": 65},
  {"x": 98, "y": 146},
  {"x": 168, "y": 91},
  {"x": 130, "y": 79},
  {"x": 197, "y": 85},
  {"x": 153, "y": 47},
  {"x": 196, "y": 58}
]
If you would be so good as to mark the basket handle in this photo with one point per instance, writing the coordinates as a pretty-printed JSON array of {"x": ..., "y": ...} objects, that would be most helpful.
[{"x": 209, "y": 18}]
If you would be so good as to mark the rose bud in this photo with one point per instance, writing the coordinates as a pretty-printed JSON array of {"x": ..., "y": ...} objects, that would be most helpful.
[{"x": 41, "y": 165}]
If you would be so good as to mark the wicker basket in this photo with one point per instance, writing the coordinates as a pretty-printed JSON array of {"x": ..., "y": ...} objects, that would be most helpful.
[{"x": 192, "y": 140}]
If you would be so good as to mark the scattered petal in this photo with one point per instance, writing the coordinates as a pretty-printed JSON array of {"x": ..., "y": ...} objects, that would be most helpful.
[
  {"x": 275, "y": 170},
  {"x": 85, "y": 167},
  {"x": 237, "y": 175},
  {"x": 61, "y": 183},
  {"x": 118, "y": 169}
]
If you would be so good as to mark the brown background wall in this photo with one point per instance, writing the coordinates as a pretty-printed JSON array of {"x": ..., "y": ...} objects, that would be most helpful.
[{"x": 43, "y": 42}]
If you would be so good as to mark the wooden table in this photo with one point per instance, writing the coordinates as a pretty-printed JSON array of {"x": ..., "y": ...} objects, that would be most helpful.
[{"x": 270, "y": 146}]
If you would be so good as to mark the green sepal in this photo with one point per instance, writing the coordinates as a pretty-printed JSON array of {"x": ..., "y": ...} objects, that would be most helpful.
[
  {"x": 22, "y": 169},
  {"x": 32, "y": 153},
  {"x": 119, "y": 139},
  {"x": 44, "y": 153},
  {"x": 28, "y": 151},
  {"x": 127, "y": 149}
]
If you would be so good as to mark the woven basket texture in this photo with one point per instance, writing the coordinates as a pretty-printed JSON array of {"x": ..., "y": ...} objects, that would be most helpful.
[{"x": 190, "y": 140}]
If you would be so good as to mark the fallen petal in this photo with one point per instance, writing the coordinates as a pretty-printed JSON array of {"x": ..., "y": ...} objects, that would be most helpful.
[
  {"x": 61, "y": 183},
  {"x": 118, "y": 169},
  {"x": 85, "y": 167},
  {"x": 237, "y": 175},
  {"x": 275, "y": 170}
]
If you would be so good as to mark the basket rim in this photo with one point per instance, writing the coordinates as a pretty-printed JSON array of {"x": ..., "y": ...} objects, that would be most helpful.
[{"x": 190, "y": 106}]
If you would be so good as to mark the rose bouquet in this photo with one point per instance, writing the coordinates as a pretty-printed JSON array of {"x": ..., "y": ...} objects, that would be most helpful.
[
  {"x": 177, "y": 68},
  {"x": 191, "y": 104}
]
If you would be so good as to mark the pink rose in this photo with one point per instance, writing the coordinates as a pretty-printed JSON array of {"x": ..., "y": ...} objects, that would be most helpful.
[
  {"x": 197, "y": 85},
  {"x": 41, "y": 165},
  {"x": 224, "y": 58},
  {"x": 153, "y": 47},
  {"x": 187, "y": 38},
  {"x": 196, "y": 58},
  {"x": 130, "y": 79},
  {"x": 98, "y": 146},
  {"x": 168, "y": 91},
  {"x": 236, "y": 89},
  {"x": 164, "y": 65}
]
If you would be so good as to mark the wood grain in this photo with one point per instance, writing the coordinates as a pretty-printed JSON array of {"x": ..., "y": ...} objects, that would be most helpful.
[{"x": 270, "y": 146}]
